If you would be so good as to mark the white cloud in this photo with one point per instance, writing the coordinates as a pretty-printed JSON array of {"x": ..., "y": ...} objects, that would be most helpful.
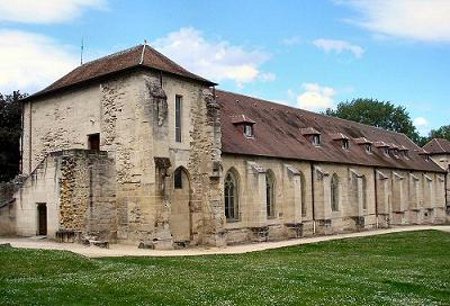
[
  {"x": 422, "y": 125},
  {"x": 420, "y": 121},
  {"x": 291, "y": 41},
  {"x": 214, "y": 60},
  {"x": 316, "y": 97},
  {"x": 31, "y": 61},
  {"x": 338, "y": 46},
  {"x": 46, "y": 11},
  {"x": 411, "y": 19}
]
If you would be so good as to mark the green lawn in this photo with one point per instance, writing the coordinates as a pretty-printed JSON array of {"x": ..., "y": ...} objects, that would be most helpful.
[{"x": 396, "y": 269}]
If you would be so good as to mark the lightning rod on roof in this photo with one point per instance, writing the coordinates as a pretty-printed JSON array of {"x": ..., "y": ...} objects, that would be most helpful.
[
  {"x": 82, "y": 49},
  {"x": 143, "y": 51}
]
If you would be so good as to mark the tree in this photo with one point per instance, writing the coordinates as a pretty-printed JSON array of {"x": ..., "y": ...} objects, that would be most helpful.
[
  {"x": 10, "y": 131},
  {"x": 442, "y": 132},
  {"x": 382, "y": 114}
]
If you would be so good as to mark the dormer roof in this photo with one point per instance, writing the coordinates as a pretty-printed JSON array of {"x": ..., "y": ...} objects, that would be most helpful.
[
  {"x": 241, "y": 119},
  {"x": 338, "y": 136},
  {"x": 309, "y": 131},
  {"x": 362, "y": 140}
]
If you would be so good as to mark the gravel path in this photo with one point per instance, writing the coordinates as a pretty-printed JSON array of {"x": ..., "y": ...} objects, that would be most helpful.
[{"x": 117, "y": 250}]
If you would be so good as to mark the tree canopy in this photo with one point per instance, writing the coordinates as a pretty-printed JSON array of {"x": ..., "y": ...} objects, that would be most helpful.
[
  {"x": 382, "y": 114},
  {"x": 442, "y": 132},
  {"x": 10, "y": 131}
]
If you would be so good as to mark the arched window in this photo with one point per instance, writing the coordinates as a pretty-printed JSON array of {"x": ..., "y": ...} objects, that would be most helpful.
[
  {"x": 303, "y": 191},
  {"x": 364, "y": 192},
  {"x": 334, "y": 193},
  {"x": 270, "y": 195},
  {"x": 231, "y": 197}
]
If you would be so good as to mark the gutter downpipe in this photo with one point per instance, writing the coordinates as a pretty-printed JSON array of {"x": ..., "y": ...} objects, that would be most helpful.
[{"x": 312, "y": 199}]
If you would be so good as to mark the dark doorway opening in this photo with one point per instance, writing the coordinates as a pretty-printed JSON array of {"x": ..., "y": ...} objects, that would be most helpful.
[
  {"x": 42, "y": 218},
  {"x": 94, "y": 142}
]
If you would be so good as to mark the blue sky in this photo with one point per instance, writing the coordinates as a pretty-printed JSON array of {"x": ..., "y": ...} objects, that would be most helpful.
[{"x": 309, "y": 54}]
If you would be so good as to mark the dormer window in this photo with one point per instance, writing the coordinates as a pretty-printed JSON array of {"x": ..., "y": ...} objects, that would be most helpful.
[
  {"x": 404, "y": 150},
  {"x": 367, "y": 144},
  {"x": 384, "y": 147},
  {"x": 312, "y": 135},
  {"x": 343, "y": 139},
  {"x": 248, "y": 130},
  {"x": 316, "y": 140},
  {"x": 345, "y": 144},
  {"x": 245, "y": 124}
]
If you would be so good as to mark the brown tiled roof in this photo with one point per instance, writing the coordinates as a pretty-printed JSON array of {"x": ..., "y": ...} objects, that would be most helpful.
[
  {"x": 278, "y": 134},
  {"x": 438, "y": 146},
  {"x": 142, "y": 56}
]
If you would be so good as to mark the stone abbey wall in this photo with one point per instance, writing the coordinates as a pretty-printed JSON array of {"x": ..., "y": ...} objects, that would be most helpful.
[
  {"x": 145, "y": 186},
  {"x": 77, "y": 189},
  {"x": 368, "y": 198},
  {"x": 134, "y": 115}
]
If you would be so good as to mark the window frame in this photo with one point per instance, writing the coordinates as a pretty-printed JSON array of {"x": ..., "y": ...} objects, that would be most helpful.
[
  {"x": 270, "y": 196},
  {"x": 316, "y": 140},
  {"x": 231, "y": 210},
  {"x": 248, "y": 131},
  {"x": 178, "y": 118},
  {"x": 334, "y": 193}
]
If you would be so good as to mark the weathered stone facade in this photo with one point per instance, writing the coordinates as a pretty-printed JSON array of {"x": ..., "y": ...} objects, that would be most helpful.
[{"x": 157, "y": 177}]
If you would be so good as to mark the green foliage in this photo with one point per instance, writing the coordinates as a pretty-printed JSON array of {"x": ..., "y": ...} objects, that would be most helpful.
[
  {"x": 442, "y": 132},
  {"x": 382, "y": 114},
  {"x": 10, "y": 131},
  {"x": 396, "y": 269}
]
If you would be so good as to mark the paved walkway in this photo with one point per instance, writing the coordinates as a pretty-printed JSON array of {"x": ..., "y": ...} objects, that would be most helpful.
[{"x": 117, "y": 250}]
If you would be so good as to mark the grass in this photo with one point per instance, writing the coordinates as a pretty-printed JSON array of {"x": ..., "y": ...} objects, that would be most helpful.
[{"x": 397, "y": 269}]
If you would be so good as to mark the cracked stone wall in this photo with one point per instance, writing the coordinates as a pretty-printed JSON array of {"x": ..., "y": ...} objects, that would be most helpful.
[
  {"x": 59, "y": 122},
  {"x": 78, "y": 188}
]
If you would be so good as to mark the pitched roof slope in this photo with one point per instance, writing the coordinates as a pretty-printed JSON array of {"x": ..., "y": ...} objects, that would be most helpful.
[
  {"x": 277, "y": 133},
  {"x": 438, "y": 146},
  {"x": 140, "y": 56}
]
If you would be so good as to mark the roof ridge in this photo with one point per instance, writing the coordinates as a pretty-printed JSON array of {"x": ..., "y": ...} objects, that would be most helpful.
[{"x": 109, "y": 56}]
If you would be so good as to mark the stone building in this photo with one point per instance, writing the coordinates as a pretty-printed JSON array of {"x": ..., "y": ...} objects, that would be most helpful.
[
  {"x": 439, "y": 151},
  {"x": 134, "y": 148}
]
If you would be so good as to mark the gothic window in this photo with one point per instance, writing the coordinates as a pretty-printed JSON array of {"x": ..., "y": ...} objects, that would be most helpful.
[
  {"x": 334, "y": 193},
  {"x": 231, "y": 197},
  {"x": 364, "y": 192},
  {"x": 270, "y": 195},
  {"x": 303, "y": 197},
  {"x": 178, "y": 114}
]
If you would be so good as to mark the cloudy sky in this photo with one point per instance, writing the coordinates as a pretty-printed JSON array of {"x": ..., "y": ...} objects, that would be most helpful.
[{"x": 308, "y": 54}]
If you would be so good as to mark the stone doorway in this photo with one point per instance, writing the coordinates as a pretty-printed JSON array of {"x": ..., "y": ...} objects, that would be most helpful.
[
  {"x": 180, "y": 216},
  {"x": 42, "y": 219}
]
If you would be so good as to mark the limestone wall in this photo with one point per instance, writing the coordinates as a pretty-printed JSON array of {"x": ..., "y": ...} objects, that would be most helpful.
[
  {"x": 77, "y": 188},
  {"x": 368, "y": 198},
  {"x": 59, "y": 122}
]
